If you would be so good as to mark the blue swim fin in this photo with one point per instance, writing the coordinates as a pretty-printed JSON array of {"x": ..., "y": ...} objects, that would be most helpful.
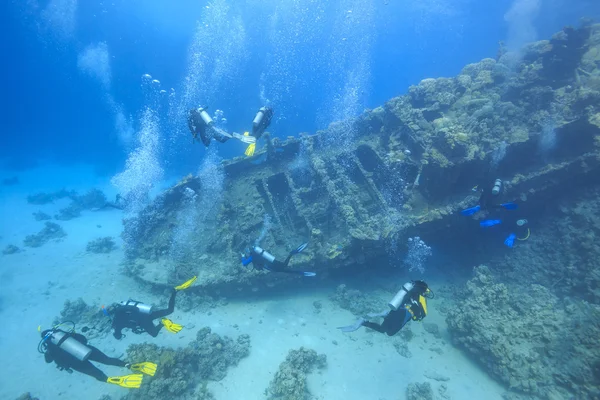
[
  {"x": 509, "y": 206},
  {"x": 300, "y": 248},
  {"x": 489, "y": 222},
  {"x": 471, "y": 211},
  {"x": 309, "y": 273}
]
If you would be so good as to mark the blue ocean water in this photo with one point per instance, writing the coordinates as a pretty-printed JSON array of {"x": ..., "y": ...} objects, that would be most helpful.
[
  {"x": 315, "y": 61},
  {"x": 96, "y": 95}
]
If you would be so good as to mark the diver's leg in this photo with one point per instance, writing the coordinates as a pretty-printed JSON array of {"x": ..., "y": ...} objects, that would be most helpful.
[
  {"x": 86, "y": 367},
  {"x": 148, "y": 326},
  {"x": 395, "y": 321},
  {"x": 168, "y": 311},
  {"x": 374, "y": 326},
  {"x": 287, "y": 260},
  {"x": 102, "y": 358}
]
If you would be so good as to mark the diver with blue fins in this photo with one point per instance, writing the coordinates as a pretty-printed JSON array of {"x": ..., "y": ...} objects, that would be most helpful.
[
  {"x": 70, "y": 351},
  {"x": 203, "y": 128},
  {"x": 410, "y": 303},
  {"x": 262, "y": 259},
  {"x": 513, "y": 228},
  {"x": 139, "y": 317}
]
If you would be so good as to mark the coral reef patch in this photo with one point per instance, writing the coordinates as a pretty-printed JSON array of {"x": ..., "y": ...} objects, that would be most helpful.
[
  {"x": 102, "y": 245},
  {"x": 517, "y": 332},
  {"x": 183, "y": 373},
  {"x": 289, "y": 382},
  {"x": 51, "y": 231},
  {"x": 10, "y": 249}
]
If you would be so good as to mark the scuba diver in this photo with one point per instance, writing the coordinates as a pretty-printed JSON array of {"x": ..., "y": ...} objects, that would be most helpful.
[
  {"x": 261, "y": 259},
  {"x": 71, "y": 351},
  {"x": 202, "y": 127},
  {"x": 512, "y": 228},
  {"x": 139, "y": 317},
  {"x": 409, "y": 303},
  {"x": 489, "y": 200}
]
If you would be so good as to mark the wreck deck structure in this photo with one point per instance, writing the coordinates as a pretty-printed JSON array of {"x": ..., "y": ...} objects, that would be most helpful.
[{"x": 359, "y": 188}]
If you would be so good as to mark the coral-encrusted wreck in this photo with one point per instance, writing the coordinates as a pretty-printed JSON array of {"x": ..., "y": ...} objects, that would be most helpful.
[{"x": 402, "y": 169}]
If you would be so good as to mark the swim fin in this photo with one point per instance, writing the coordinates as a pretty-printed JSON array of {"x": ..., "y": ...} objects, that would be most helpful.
[
  {"x": 300, "y": 248},
  {"x": 471, "y": 211},
  {"x": 250, "y": 150},
  {"x": 489, "y": 222},
  {"x": 509, "y": 206},
  {"x": 354, "y": 327},
  {"x": 186, "y": 284},
  {"x": 147, "y": 368},
  {"x": 171, "y": 326},
  {"x": 309, "y": 273},
  {"x": 133, "y": 381}
]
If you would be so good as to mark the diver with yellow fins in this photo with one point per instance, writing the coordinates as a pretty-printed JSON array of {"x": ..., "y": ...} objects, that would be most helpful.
[
  {"x": 410, "y": 303},
  {"x": 71, "y": 351},
  {"x": 202, "y": 127},
  {"x": 139, "y": 317}
]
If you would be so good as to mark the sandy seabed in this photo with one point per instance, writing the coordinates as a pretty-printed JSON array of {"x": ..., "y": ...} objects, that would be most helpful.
[{"x": 35, "y": 283}]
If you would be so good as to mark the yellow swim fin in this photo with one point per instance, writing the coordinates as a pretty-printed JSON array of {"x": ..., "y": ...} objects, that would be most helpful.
[
  {"x": 171, "y": 326},
  {"x": 147, "y": 368},
  {"x": 186, "y": 284},
  {"x": 133, "y": 381},
  {"x": 251, "y": 148}
]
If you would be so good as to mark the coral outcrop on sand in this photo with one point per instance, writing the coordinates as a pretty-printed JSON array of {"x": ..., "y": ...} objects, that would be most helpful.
[
  {"x": 92, "y": 199},
  {"x": 358, "y": 303},
  {"x": 419, "y": 391},
  {"x": 51, "y": 231},
  {"x": 41, "y": 216},
  {"x": 289, "y": 382},
  {"x": 88, "y": 319},
  {"x": 182, "y": 374},
  {"x": 10, "y": 249},
  {"x": 517, "y": 332},
  {"x": 101, "y": 245}
]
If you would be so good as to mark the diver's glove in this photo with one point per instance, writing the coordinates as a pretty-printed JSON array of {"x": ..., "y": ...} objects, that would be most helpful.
[
  {"x": 489, "y": 222},
  {"x": 510, "y": 240}
]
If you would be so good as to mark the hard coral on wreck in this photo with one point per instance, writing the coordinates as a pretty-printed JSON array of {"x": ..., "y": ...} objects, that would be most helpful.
[{"x": 289, "y": 382}]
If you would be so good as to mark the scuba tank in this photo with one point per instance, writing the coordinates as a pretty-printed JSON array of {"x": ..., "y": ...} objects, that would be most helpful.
[
  {"x": 205, "y": 117},
  {"x": 497, "y": 187},
  {"x": 261, "y": 121},
  {"x": 65, "y": 342},
  {"x": 142, "y": 308},
  {"x": 264, "y": 254},
  {"x": 396, "y": 302}
]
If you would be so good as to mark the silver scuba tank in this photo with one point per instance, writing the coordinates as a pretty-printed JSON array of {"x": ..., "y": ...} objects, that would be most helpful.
[
  {"x": 75, "y": 348},
  {"x": 497, "y": 187},
  {"x": 259, "y": 117},
  {"x": 264, "y": 254},
  {"x": 205, "y": 117},
  {"x": 396, "y": 302},
  {"x": 143, "y": 308}
]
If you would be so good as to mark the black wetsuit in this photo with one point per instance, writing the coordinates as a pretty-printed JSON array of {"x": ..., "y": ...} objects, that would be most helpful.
[
  {"x": 276, "y": 266},
  {"x": 411, "y": 308},
  {"x": 68, "y": 362},
  {"x": 199, "y": 128},
  {"x": 129, "y": 316}
]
